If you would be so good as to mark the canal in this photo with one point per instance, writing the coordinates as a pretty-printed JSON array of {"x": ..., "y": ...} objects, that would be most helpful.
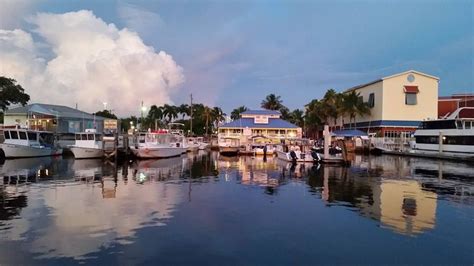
[{"x": 207, "y": 209}]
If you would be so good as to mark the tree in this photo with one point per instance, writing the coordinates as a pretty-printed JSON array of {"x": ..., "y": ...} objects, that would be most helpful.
[
  {"x": 154, "y": 116},
  {"x": 170, "y": 111},
  {"x": 272, "y": 102},
  {"x": 297, "y": 117},
  {"x": 11, "y": 93},
  {"x": 217, "y": 116},
  {"x": 207, "y": 114},
  {"x": 184, "y": 110},
  {"x": 106, "y": 114},
  {"x": 235, "y": 114}
]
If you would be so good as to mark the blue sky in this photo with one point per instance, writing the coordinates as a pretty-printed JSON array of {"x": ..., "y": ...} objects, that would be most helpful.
[{"x": 236, "y": 52}]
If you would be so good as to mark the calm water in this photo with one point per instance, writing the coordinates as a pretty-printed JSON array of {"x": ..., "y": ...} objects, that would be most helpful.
[{"x": 203, "y": 208}]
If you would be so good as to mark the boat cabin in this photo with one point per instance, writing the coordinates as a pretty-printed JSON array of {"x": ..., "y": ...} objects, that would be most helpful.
[{"x": 26, "y": 137}]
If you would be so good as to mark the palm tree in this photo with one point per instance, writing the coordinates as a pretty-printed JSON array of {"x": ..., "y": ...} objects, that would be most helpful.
[
  {"x": 170, "y": 111},
  {"x": 155, "y": 114},
  {"x": 313, "y": 117},
  {"x": 184, "y": 110},
  {"x": 349, "y": 105},
  {"x": 297, "y": 117},
  {"x": 207, "y": 112},
  {"x": 217, "y": 116},
  {"x": 235, "y": 114},
  {"x": 332, "y": 105},
  {"x": 272, "y": 102}
]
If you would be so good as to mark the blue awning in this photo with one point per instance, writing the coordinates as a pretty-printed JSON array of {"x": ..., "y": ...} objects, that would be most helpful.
[{"x": 348, "y": 133}]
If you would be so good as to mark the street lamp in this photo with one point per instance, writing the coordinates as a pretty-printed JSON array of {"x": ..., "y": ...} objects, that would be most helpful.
[{"x": 143, "y": 109}]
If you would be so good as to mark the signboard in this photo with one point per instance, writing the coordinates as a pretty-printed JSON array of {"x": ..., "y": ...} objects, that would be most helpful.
[
  {"x": 261, "y": 119},
  {"x": 110, "y": 124}
]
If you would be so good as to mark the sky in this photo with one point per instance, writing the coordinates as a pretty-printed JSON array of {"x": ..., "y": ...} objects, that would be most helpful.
[{"x": 227, "y": 53}]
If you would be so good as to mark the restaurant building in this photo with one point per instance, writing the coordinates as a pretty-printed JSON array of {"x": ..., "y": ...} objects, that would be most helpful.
[
  {"x": 260, "y": 125},
  {"x": 55, "y": 118},
  {"x": 398, "y": 103}
]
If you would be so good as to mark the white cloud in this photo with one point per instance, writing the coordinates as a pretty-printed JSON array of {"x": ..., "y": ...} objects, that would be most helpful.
[
  {"x": 91, "y": 62},
  {"x": 13, "y": 11}
]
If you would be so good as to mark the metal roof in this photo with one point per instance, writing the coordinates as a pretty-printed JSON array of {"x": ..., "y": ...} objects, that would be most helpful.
[
  {"x": 348, "y": 133},
  {"x": 52, "y": 110},
  {"x": 261, "y": 112},
  {"x": 249, "y": 122}
]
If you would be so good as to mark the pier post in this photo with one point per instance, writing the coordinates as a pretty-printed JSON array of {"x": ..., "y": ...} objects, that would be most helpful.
[
  {"x": 440, "y": 141},
  {"x": 327, "y": 141}
]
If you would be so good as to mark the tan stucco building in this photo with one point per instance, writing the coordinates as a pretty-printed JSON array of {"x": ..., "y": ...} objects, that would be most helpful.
[{"x": 398, "y": 103}]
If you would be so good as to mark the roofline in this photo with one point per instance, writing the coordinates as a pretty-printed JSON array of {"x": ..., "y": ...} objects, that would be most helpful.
[
  {"x": 296, "y": 127},
  {"x": 410, "y": 71},
  {"x": 363, "y": 85},
  {"x": 388, "y": 77}
]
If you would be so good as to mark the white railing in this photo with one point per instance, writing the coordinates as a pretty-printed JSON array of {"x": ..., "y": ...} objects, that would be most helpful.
[{"x": 392, "y": 144}]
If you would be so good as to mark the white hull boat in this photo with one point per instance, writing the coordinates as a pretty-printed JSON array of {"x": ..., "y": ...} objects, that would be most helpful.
[
  {"x": 88, "y": 144},
  {"x": 20, "y": 151},
  {"x": 299, "y": 156},
  {"x": 24, "y": 143},
  {"x": 83, "y": 153},
  {"x": 158, "y": 152}
]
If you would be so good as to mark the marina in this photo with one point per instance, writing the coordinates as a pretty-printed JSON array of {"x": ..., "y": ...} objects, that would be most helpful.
[
  {"x": 139, "y": 211},
  {"x": 236, "y": 132}
]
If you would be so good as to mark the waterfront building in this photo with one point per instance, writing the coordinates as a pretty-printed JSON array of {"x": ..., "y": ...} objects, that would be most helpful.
[
  {"x": 55, "y": 118},
  {"x": 398, "y": 104},
  {"x": 448, "y": 104},
  {"x": 265, "y": 126}
]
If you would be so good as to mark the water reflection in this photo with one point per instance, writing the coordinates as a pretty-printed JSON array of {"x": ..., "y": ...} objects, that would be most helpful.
[{"x": 66, "y": 208}]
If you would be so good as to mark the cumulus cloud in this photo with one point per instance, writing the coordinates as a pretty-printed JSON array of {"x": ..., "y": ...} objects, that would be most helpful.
[{"x": 89, "y": 62}]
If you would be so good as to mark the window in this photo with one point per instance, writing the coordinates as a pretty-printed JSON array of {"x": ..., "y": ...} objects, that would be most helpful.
[
  {"x": 90, "y": 136},
  {"x": 78, "y": 136},
  {"x": 32, "y": 136},
  {"x": 7, "y": 134},
  {"x": 410, "y": 98},
  {"x": 14, "y": 134},
  {"x": 459, "y": 124},
  {"x": 83, "y": 136},
  {"x": 371, "y": 101},
  {"x": 467, "y": 124},
  {"x": 22, "y": 135}
]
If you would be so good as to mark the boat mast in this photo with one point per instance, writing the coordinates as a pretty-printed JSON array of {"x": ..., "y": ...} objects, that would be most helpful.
[{"x": 191, "y": 121}]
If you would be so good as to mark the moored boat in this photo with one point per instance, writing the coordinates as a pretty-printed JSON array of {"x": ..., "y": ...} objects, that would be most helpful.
[
  {"x": 160, "y": 144},
  {"x": 229, "y": 146},
  {"x": 297, "y": 150},
  {"x": 22, "y": 143},
  {"x": 453, "y": 134},
  {"x": 88, "y": 144}
]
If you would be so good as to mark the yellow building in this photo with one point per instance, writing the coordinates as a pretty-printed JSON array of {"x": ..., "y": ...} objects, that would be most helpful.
[{"x": 398, "y": 103}]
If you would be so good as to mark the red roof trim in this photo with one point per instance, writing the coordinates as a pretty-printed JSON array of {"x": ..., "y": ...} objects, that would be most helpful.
[{"x": 411, "y": 89}]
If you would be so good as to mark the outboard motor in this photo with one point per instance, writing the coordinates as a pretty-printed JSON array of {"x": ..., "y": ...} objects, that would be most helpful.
[{"x": 315, "y": 156}]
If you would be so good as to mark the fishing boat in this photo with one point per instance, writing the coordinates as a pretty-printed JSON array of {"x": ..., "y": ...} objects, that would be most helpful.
[
  {"x": 202, "y": 144},
  {"x": 88, "y": 144},
  {"x": 229, "y": 146},
  {"x": 159, "y": 144},
  {"x": 297, "y": 150},
  {"x": 21, "y": 143},
  {"x": 452, "y": 134}
]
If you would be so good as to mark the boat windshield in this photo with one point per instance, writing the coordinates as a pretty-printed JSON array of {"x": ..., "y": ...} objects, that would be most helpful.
[
  {"x": 438, "y": 124},
  {"x": 162, "y": 138}
]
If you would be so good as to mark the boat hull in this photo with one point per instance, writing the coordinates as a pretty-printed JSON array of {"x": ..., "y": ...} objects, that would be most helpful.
[
  {"x": 229, "y": 151},
  {"x": 83, "y": 153},
  {"x": 20, "y": 151},
  {"x": 161, "y": 152}
]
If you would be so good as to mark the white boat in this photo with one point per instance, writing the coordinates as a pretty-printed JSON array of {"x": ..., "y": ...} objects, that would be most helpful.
[
  {"x": 453, "y": 134},
  {"x": 202, "y": 145},
  {"x": 297, "y": 150},
  {"x": 191, "y": 144},
  {"x": 87, "y": 145},
  {"x": 161, "y": 144},
  {"x": 229, "y": 146},
  {"x": 21, "y": 143},
  {"x": 259, "y": 149}
]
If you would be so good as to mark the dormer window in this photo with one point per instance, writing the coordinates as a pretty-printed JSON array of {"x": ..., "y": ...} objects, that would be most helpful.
[{"x": 410, "y": 95}]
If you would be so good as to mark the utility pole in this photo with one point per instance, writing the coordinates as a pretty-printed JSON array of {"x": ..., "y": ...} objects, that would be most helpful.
[{"x": 191, "y": 123}]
